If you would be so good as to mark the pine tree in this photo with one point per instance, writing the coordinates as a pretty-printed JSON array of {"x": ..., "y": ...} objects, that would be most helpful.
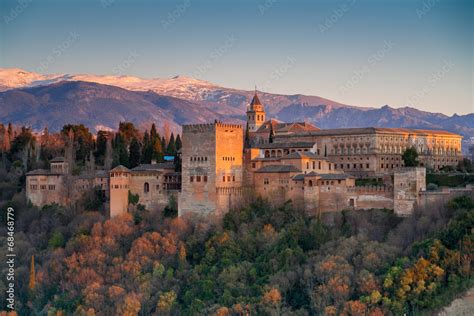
[
  {"x": 32, "y": 283},
  {"x": 134, "y": 157}
]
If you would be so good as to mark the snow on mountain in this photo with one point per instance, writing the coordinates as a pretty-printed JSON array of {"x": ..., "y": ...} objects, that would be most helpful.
[{"x": 179, "y": 86}]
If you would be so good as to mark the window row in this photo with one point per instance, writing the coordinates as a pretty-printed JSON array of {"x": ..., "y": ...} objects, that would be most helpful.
[
  {"x": 120, "y": 186},
  {"x": 354, "y": 166},
  {"x": 228, "y": 158},
  {"x": 50, "y": 187},
  {"x": 198, "y": 178},
  {"x": 198, "y": 158},
  {"x": 229, "y": 178}
]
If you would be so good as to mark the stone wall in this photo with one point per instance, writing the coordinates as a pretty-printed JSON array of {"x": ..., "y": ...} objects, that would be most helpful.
[
  {"x": 42, "y": 190},
  {"x": 368, "y": 197},
  {"x": 408, "y": 183}
]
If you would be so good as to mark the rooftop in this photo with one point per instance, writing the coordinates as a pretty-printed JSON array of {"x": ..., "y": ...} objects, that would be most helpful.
[
  {"x": 323, "y": 176},
  {"x": 58, "y": 159},
  {"x": 278, "y": 169},
  {"x": 39, "y": 172},
  {"x": 121, "y": 168},
  {"x": 370, "y": 130},
  {"x": 286, "y": 145},
  {"x": 154, "y": 166},
  {"x": 286, "y": 128},
  {"x": 302, "y": 154}
]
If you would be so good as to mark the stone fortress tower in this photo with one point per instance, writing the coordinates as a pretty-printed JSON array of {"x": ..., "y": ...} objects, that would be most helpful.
[
  {"x": 119, "y": 188},
  {"x": 211, "y": 168}
]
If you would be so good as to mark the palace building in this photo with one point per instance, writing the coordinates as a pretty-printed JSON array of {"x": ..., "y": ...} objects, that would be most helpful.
[{"x": 225, "y": 165}]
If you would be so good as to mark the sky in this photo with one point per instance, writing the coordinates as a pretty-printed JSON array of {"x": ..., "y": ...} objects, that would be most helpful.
[{"x": 417, "y": 53}]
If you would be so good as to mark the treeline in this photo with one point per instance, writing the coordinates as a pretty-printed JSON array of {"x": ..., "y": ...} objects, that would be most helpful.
[
  {"x": 258, "y": 260},
  {"x": 127, "y": 146}
]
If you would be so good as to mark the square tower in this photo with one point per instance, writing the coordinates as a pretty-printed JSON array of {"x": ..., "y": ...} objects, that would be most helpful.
[{"x": 212, "y": 158}]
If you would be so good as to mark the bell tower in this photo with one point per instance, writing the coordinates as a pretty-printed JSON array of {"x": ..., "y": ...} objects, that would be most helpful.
[{"x": 255, "y": 113}]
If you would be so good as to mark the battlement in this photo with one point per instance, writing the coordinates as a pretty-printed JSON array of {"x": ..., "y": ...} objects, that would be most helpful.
[
  {"x": 228, "y": 125},
  {"x": 208, "y": 127}
]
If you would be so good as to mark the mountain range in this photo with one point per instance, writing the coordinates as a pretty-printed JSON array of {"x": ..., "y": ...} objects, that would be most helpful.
[{"x": 102, "y": 102}]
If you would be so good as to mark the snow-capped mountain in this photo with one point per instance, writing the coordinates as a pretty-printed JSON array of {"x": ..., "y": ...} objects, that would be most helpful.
[
  {"x": 102, "y": 101},
  {"x": 179, "y": 86}
]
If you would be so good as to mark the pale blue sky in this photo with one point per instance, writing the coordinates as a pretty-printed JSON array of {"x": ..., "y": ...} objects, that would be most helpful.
[{"x": 360, "y": 52}]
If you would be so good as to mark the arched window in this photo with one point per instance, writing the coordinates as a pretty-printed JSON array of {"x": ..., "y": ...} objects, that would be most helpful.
[
  {"x": 310, "y": 183},
  {"x": 146, "y": 187}
]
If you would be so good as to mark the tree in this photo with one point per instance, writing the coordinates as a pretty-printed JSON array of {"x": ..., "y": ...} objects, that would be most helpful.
[
  {"x": 101, "y": 146},
  {"x": 247, "y": 136},
  {"x": 32, "y": 283},
  {"x": 82, "y": 138},
  {"x": 120, "y": 152},
  {"x": 410, "y": 157},
  {"x": 179, "y": 144},
  {"x": 171, "y": 150},
  {"x": 128, "y": 131},
  {"x": 134, "y": 157},
  {"x": 271, "y": 136}
]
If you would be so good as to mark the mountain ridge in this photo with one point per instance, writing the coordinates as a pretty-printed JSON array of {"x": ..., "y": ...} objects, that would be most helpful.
[{"x": 183, "y": 100}]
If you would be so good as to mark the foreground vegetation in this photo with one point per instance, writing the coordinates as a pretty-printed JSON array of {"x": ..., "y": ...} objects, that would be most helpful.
[
  {"x": 260, "y": 259},
  {"x": 257, "y": 260}
]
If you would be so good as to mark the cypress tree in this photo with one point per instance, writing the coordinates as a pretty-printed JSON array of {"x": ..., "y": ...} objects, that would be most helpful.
[
  {"x": 134, "y": 156},
  {"x": 32, "y": 283},
  {"x": 171, "y": 150},
  {"x": 178, "y": 143},
  {"x": 272, "y": 133},
  {"x": 147, "y": 149}
]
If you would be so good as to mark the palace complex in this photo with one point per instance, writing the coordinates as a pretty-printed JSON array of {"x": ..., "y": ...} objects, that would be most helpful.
[{"x": 226, "y": 165}]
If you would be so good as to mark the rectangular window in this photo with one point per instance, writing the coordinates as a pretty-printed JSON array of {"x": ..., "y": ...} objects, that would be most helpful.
[
  {"x": 319, "y": 165},
  {"x": 228, "y": 178},
  {"x": 265, "y": 181},
  {"x": 368, "y": 166},
  {"x": 205, "y": 178},
  {"x": 314, "y": 164},
  {"x": 223, "y": 178},
  {"x": 198, "y": 178},
  {"x": 253, "y": 164},
  {"x": 191, "y": 179},
  {"x": 233, "y": 178}
]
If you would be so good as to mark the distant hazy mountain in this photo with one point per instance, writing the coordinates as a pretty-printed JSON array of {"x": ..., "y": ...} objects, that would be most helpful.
[
  {"x": 54, "y": 100},
  {"x": 96, "y": 106}
]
